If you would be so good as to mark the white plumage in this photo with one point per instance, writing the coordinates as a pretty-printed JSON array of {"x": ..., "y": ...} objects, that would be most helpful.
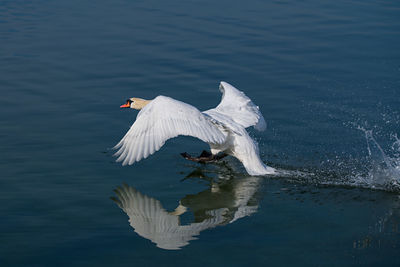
[{"x": 223, "y": 128}]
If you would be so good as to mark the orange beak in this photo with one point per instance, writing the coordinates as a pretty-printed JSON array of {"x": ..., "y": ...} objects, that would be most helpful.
[{"x": 127, "y": 105}]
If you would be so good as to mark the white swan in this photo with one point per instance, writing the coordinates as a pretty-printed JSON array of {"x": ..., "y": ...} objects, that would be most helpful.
[{"x": 223, "y": 128}]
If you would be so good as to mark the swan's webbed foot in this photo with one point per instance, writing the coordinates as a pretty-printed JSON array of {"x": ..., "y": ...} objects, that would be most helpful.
[{"x": 205, "y": 157}]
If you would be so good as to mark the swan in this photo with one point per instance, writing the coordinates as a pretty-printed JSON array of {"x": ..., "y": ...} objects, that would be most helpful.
[{"x": 223, "y": 128}]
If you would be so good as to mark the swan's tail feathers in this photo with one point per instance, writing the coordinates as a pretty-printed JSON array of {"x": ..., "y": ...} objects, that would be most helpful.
[
  {"x": 246, "y": 150},
  {"x": 254, "y": 165}
]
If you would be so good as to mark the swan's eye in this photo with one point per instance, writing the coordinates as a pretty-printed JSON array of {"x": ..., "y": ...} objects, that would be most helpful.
[{"x": 128, "y": 101}]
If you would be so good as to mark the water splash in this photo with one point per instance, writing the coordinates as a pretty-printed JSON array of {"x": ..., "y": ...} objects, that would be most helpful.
[
  {"x": 383, "y": 170},
  {"x": 379, "y": 169}
]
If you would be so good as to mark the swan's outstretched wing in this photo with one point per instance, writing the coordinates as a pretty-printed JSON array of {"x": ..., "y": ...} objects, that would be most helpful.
[
  {"x": 236, "y": 105},
  {"x": 164, "y": 118}
]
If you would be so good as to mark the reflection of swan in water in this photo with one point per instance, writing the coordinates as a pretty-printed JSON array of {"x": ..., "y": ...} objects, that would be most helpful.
[{"x": 223, "y": 202}]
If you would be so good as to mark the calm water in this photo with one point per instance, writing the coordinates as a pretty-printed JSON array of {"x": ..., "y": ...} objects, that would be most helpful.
[{"x": 326, "y": 76}]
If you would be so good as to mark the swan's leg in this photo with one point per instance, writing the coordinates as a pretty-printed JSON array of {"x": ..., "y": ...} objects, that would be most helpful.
[
  {"x": 220, "y": 156},
  {"x": 204, "y": 157}
]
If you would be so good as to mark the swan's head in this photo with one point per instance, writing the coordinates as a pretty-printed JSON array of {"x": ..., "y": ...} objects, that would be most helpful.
[{"x": 135, "y": 103}]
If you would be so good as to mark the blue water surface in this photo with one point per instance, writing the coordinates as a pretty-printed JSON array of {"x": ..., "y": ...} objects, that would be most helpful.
[{"x": 326, "y": 75}]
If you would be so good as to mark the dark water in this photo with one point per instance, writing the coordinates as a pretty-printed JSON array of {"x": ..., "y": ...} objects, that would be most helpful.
[{"x": 326, "y": 76}]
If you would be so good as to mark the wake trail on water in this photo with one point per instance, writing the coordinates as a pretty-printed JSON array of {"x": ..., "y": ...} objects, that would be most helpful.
[{"x": 380, "y": 170}]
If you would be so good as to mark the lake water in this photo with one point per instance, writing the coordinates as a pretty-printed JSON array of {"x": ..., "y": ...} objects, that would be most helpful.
[{"x": 326, "y": 75}]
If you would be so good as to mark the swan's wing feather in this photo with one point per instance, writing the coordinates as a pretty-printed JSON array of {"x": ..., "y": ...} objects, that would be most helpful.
[
  {"x": 239, "y": 108},
  {"x": 164, "y": 118}
]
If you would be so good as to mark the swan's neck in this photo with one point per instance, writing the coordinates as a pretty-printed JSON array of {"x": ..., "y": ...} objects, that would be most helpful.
[{"x": 139, "y": 103}]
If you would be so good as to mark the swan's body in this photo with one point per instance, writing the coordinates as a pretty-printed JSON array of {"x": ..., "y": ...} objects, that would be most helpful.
[{"x": 223, "y": 128}]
